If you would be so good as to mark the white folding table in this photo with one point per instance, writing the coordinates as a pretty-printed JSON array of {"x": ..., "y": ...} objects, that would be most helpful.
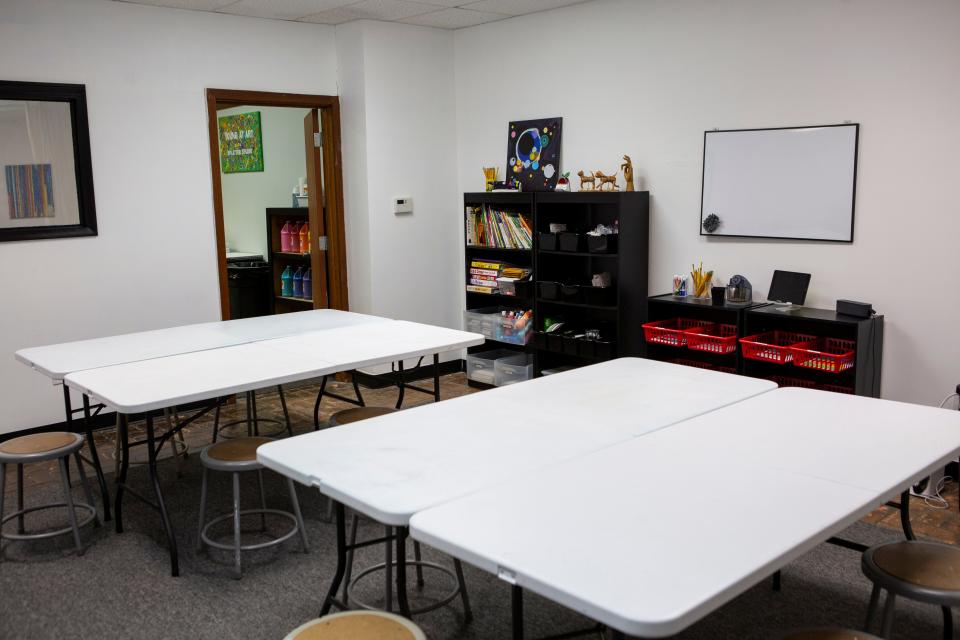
[
  {"x": 816, "y": 461},
  {"x": 393, "y": 466},
  {"x": 56, "y": 361},
  {"x": 308, "y": 345}
]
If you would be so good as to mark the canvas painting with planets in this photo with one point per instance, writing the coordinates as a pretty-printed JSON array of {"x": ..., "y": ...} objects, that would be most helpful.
[{"x": 533, "y": 154}]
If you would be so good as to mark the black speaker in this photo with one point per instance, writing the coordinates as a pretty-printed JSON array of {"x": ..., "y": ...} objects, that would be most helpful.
[{"x": 855, "y": 309}]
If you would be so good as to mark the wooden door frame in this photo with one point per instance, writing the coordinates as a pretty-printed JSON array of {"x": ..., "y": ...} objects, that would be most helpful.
[{"x": 329, "y": 107}]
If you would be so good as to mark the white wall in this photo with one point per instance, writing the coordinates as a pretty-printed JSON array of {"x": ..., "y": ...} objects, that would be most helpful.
[
  {"x": 247, "y": 195},
  {"x": 401, "y": 266},
  {"x": 154, "y": 262},
  {"x": 647, "y": 78}
]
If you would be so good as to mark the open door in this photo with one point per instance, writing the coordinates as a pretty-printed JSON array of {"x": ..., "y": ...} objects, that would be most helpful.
[{"x": 313, "y": 144}]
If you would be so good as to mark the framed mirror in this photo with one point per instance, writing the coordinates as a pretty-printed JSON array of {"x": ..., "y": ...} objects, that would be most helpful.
[{"x": 46, "y": 180}]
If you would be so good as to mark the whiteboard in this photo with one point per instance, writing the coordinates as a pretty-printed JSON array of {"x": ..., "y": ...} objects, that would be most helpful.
[{"x": 794, "y": 182}]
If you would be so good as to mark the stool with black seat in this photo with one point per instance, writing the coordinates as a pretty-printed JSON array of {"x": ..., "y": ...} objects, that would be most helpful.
[
  {"x": 41, "y": 447},
  {"x": 237, "y": 456},
  {"x": 358, "y": 625},
  {"x": 348, "y": 416},
  {"x": 830, "y": 634},
  {"x": 924, "y": 571}
]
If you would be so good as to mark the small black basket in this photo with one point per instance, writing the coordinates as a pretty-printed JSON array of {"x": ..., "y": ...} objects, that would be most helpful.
[
  {"x": 570, "y": 293},
  {"x": 548, "y": 241},
  {"x": 599, "y": 296},
  {"x": 549, "y": 290},
  {"x": 602, "y": 244},
  {"x": 570, "y": 241}
]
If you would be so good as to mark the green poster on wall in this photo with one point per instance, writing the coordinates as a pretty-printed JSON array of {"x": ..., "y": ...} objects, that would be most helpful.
[{"x": 241, "y": 143}]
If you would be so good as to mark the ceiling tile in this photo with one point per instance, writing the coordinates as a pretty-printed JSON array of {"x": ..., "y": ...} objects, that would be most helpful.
[
  {"x": 197, "y": 5},
  {"x": 282, "y": 9},
  {"x": 447, "y": 3},
  {"x": 454, "y": 18},
  {"x": 518, "y": 7}
]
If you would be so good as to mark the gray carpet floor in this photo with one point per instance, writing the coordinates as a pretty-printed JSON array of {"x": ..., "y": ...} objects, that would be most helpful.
[{"x": 121, "y": 587}]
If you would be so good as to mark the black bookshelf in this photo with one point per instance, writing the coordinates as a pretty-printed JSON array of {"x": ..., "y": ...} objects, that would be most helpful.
[
  {"x": 752, "y": 318},
  {"x": 866, "y": 333},
  {"x": 618, "y": 314},
  {"x": 668, "y": 306}
]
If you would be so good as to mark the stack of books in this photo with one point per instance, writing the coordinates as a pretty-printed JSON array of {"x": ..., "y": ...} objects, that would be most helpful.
[
  {"x": 484, "y": 275},
  {"x": 488, "y": 227}
]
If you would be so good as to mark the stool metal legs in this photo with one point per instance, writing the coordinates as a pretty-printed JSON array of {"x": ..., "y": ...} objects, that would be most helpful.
[
  {"x": 237, "y": 546},
  {"x": 252, "y": 419},
  {"x": 75, "y": 524}
]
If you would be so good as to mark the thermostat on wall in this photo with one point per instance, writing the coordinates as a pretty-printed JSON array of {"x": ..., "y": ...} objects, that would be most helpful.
[{"x": 403, "y": 205}]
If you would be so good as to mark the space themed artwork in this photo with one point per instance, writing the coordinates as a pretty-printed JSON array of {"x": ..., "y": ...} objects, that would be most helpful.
[{"x": 533, "y": 154}]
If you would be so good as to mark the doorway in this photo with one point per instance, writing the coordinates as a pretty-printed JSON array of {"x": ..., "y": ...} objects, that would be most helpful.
[{"x": 265, "y": 203}]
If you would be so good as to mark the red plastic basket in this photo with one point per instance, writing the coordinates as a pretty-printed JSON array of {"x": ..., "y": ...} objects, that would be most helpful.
[
  {"x": 671, "y": 332},
  {"x": 832, "y": 355},
  {"x": 703, "y": 365},
  {"x": 836, "y": 388},
  {"x": 786, "y": 381},
  {"x": 772, "y": 346},
  {"x": 719, "y": 338}
]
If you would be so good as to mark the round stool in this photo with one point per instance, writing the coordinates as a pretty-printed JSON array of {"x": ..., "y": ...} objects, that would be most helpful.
[
  {"x": 924, "y": 571},
  {"x": 356, "y": 415},
  {"x": 237, "y": 456},
  {"x": 252, "y": 419},
  {"x": 358, "y": 625},
  {"x": 40, "y": 447},
  {"x": 348, "y": 416},
  {"x": 830, "y": 634}
]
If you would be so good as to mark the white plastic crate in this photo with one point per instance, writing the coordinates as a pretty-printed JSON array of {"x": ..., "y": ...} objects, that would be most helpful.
[
  {"x": 481, "y": 366},
  {"x": 513, "y": 369}
]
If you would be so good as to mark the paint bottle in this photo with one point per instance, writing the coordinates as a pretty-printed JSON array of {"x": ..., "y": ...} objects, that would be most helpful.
[
  {"x": 286, "y": 282},
  {"x": 294, "y": 237},
  {"x": 298, "y": 283},
  {"x": 305, "y": 238},
  {"x": 308, "y": 284},
  {"x": 285, "y": 237}
]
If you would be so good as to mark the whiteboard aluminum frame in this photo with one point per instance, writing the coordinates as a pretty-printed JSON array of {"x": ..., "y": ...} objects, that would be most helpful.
[{"x": 853, "y": 200}]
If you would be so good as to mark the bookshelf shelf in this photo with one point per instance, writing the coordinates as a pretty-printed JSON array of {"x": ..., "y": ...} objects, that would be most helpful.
[{"x": 619, "y": 323}]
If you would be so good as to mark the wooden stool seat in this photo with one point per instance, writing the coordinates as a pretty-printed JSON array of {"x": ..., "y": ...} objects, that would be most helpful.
[
  {"x": 830, "y": 634},
  {"x": 39, "y": 443},
  {"x": 360, "y": 413},
  {"x": 236, "y": 450},
  {"x": 358, "y": 625},
  {"x": 932, "y": 566}
]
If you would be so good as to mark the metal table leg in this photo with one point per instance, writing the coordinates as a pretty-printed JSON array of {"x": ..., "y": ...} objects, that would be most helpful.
[{"x": 167, "y": 525}]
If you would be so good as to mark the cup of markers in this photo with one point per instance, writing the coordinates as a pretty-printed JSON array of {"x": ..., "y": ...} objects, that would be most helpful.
[{"x": 680, "y": 286}]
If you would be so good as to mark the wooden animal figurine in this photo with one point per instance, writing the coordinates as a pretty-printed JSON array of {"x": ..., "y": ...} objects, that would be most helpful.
[
  {"x": 627, "y": 167},
  {"x": 588, "y": 182},
  {"x": 606, "y": 180}
]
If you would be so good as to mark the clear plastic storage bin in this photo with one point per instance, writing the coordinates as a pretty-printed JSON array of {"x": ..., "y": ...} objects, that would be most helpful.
[
  {"x": 481, "y": 320},
  {"x": 481, "y": 367},
  {"x": 513, "y": 369}
]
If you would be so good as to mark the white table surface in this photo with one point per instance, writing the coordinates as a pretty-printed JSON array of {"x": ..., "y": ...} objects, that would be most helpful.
[
  {"x": 603, "y": 536},
  {"x": 156, "y": 383},
  {"x": 392, "y": 466},
  {"x": 57, "y": 360}
]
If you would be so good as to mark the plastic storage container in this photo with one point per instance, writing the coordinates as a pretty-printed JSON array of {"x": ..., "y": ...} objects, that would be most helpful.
[
  {"x": 772, "y": 346},
  {"x": 671, "y": 332},
  {"x": 570, "y": 241},
  {"x": 481, "y": 320},
  {"x": 481, "y": 366},
  {"x": 548, "y": 241},
  {"x": 720, "y": 338},
  {"x": 512, "y": 369},
  {"x": 602, "y": 244},
  {"x": 549, "y": 290},
  {"x": 515, "y": 330},
  {"x": 831, "y": 355}
]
